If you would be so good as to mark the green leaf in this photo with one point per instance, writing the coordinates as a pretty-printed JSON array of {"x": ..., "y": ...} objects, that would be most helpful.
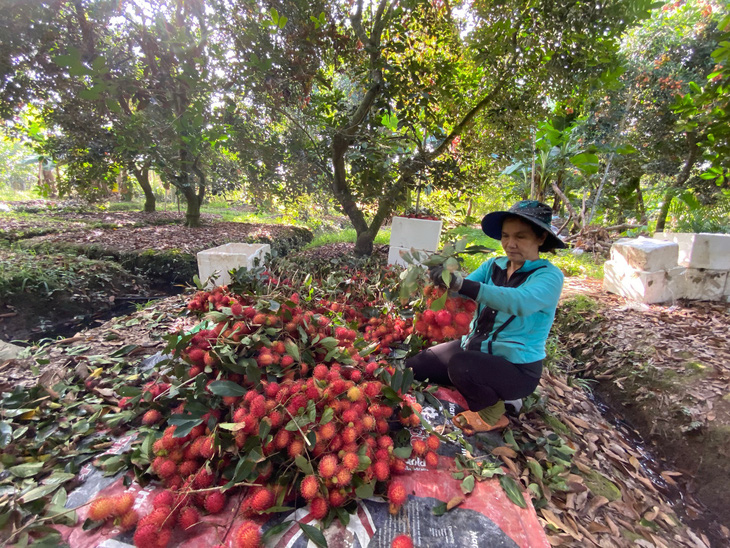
[
  {"x": 366, "y": 490},
  {"x": 313, "y": 534},
  {"x": 512, "y": 490},
  {"x": 303, "y": 464},
  {"x": 327, "y": 416},
  {"x": 124, "y": 350},
  {"x": 184, "y": 427},
  {"x": 26, "y": 470},
  {"x": 227, "y": 388},
  {"x": 38, "y": 492},
  {"x": 403, "y": 452},
  {"x": 292, "y": 349},
  {"x": 275, "y": 530},
  {"x": 586, "y": 162},
  {"x": 439, "y": 303},
  {"x": 467, "y": 486},
  {"x": 439, "y": 509}
]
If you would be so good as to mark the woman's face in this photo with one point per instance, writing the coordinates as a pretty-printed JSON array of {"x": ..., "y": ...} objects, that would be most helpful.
[{"x": 520, "y": 242}]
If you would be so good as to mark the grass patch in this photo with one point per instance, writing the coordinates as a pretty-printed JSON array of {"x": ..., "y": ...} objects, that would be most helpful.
[
  {"x": 24, "y": 272},
  {"x": 347, "y": 235}
]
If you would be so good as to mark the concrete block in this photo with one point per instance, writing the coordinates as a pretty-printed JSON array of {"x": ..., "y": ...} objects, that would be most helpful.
[
  {"x": 227, "y": 257},
  {"x": 703, "y": 250},
  {"x": 645, "y": 254},
  {"x": 418, "y": 233},
  {"x": 641, "y": 285},
  {"x": 726, "y": 291},
  {"x": 702, "y": 284},
  {"x": 394, "y": 255}
]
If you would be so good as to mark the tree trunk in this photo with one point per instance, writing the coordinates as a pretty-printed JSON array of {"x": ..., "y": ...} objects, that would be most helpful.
[
  {"x": 640, "y": 206},
  {"x": 693, "y": 154},
  {"x": 364, "y": 243},
  {"x": 664, "y": 210},
  {"x": 192, "y": 214},
  {"x": 143, "y": 179}
]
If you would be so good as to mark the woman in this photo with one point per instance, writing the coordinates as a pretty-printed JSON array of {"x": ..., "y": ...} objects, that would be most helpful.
[{"x": 501, "y": 358}]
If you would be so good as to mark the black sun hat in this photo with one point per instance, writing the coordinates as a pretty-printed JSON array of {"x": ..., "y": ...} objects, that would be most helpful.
[{"x": 532, "y": 211}]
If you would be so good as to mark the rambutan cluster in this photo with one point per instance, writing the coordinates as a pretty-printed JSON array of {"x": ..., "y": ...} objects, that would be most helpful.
[
  {"x": 118, "y": 508},
  {"x": 451, "y": 322},
  {"x": 388, "y": 330}
]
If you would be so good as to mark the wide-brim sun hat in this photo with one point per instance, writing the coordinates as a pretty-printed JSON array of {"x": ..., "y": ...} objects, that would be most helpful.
[{"x": 532, "y": 211}]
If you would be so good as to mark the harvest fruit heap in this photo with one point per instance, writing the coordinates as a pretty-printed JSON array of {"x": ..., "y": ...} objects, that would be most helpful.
[{"x": 283, "y": 405}]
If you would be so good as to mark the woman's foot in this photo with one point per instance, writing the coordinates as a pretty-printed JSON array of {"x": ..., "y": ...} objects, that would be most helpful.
[{"x": 471, "y": 423}]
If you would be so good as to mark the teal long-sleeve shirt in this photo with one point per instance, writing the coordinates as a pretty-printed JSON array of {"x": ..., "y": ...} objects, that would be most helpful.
[{"x": 514, "y": 315}]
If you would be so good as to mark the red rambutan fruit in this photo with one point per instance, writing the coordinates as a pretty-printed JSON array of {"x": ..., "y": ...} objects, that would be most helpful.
[
  {"x": 164, "y": 498},
  {"x": 167, "y": 468},
  {"x": 248, "y": 535},
  {"x": 102, "y": 508},
  {"x": 337, "y": 498},
  {"x": 327, "y": 431},
  {"x": 381, "y": 469},
  {"x": 432, "y": 459},
  {"x": 328, "y": 466},
  {"x": 214, "y": 502},
  {"x": 419, "y": 447},
  {"x": 203, "y": 479},
  {"x": 262, "y": 499},
  {"x": 153, "y": 416},
  {"x": 319, "y": 508},
  {"x": 397, "y": 494},
  {"x": 146, "y": 536},
  {"x": 207, "y": 447},
  {"x": 433, "y": 442},
  {"x": 351, "y": 461},
  {"x": 282, "y": 439},
  {"x": 402, "y": 541},
  {"x": 398, "y": 466},
  {"x": 188, "y": 517},
  {"x": 123, "y": 503},
  {"x": 296, "y": 448},
  {"x": 128, "y": 520},
  {"x": 309, "y": 487},
  {"x": 343, "y": 477}
]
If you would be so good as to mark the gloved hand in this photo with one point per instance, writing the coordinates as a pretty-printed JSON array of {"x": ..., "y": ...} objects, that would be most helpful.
[{"x": 436, "y": 275}]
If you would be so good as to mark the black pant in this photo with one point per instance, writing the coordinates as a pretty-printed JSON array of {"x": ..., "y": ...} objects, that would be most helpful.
[{"x": 483, "y": 379}]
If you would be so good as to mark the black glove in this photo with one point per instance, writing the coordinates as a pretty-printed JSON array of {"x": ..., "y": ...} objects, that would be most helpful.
[{"x": 436, "y": 275}]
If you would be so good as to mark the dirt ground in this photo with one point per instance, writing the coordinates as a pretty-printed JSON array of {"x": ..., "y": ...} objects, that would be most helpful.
[{"x": 665, "y": 371}]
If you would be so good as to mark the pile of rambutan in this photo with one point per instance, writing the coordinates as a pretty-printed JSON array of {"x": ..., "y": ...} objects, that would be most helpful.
[
  {"x": 275, "y": 407},
  {"x": 452, "y": 321}
]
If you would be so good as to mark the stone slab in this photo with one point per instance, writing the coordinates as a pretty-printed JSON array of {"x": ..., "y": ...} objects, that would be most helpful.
[
  {"x": 417, "y": 233},
  {"x": 219, "y": 260},
  {"x": 703, "y": 250},
  {"x": 645, "y": 254}
]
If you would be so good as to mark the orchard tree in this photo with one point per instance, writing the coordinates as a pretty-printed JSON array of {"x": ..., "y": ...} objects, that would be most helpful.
[
  {"x": 382, "y": 92},
  {"x": 133, "y": 80},
  {"x": 660, "y": 58},
  {"x": 705, "y": 109}
]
